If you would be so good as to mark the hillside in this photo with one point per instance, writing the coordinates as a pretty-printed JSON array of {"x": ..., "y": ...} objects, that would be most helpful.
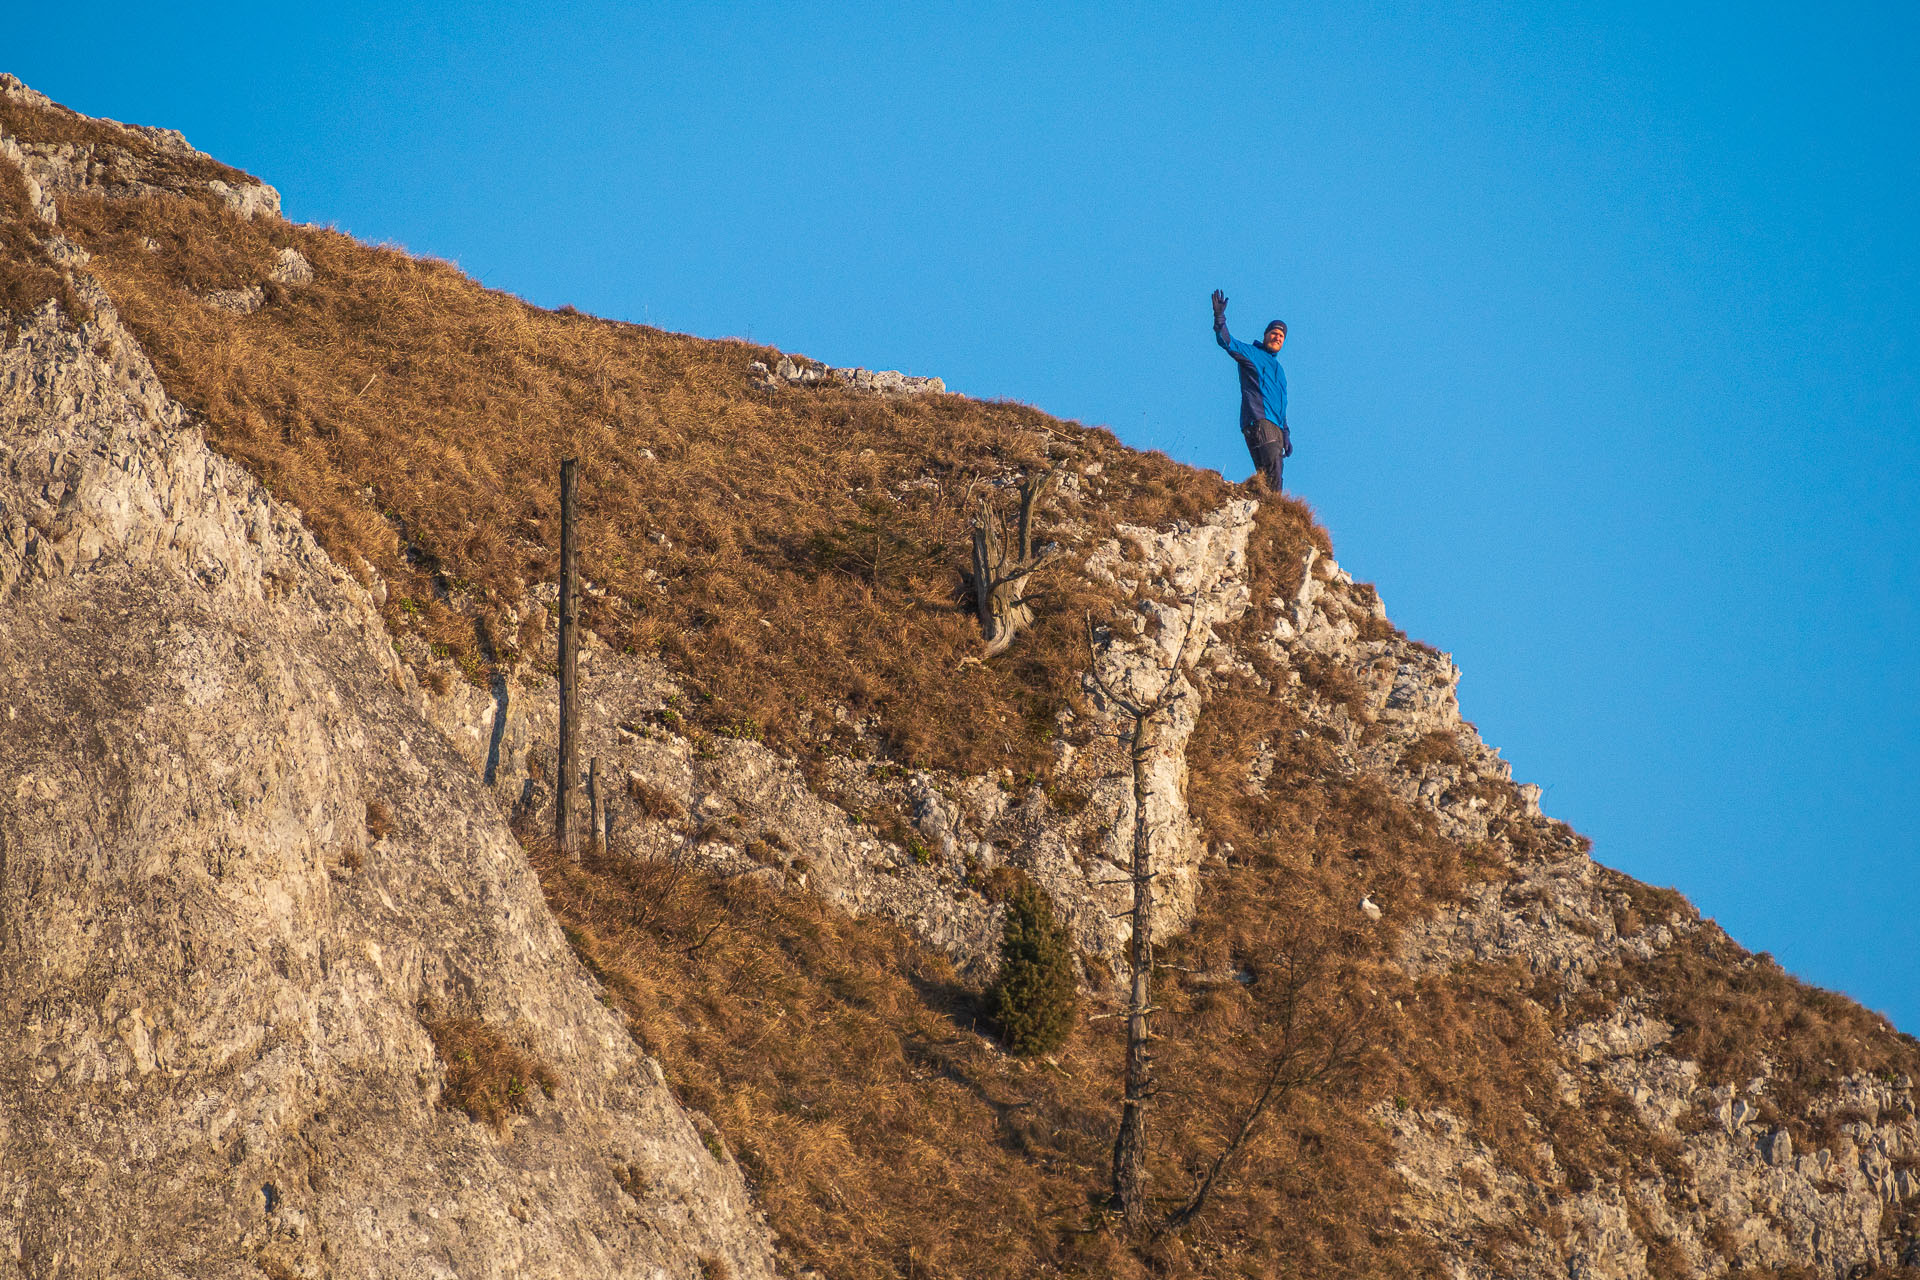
[{"x": 277, "y": 562}]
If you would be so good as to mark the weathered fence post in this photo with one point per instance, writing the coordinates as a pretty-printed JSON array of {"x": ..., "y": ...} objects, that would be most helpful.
[{"x": 568, "y": 777}]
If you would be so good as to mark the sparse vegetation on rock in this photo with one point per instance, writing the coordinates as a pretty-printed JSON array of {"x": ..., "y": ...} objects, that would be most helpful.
[{"x": 487, "y": 1075}]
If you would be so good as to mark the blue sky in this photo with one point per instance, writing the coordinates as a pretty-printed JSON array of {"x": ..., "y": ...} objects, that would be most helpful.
[{"x": 1603, "y": 316}]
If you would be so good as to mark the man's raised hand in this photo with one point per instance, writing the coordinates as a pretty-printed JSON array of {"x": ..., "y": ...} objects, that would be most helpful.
[{"x": 1219, "y": 305}]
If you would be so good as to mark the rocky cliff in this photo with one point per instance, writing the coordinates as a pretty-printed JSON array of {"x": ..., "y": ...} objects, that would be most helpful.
[
  {"x": 272, "y": 703},
  {"x": 243, "y": 879}
]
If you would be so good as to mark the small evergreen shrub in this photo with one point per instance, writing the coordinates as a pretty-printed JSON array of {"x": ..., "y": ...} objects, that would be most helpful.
[{"x": 1035, "y": 996}]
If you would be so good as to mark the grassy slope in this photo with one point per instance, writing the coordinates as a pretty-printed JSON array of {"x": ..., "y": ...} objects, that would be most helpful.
[
  {"x": 810, "y": 543},
  {"x": 790, "y": 554}
]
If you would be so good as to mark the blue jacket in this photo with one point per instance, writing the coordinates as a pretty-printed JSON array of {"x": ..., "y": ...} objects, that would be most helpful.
[{"x": 1263, "y": 383}]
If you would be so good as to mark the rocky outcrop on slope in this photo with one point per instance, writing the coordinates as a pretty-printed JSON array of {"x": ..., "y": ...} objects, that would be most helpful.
[
  {"x": 737, "y": 807},
  {"x": 788, "y": 371},
  {"x": 1743, "y": 1196},
  {"x": 240, "y": 874},
  {"x": 122, "y": 160},
  {"x": 1747, "y": 1198}
]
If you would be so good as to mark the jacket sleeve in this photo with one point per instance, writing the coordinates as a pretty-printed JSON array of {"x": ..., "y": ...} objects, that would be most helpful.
[{"x": 1238, "y": 350}]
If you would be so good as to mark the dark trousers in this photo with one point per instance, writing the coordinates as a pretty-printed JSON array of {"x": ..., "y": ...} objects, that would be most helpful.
[{"x": 1270, "y": 446}]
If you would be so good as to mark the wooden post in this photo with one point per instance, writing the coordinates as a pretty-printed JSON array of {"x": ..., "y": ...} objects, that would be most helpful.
[
  {"x": 565, "y": 834},
  {"x": 596, "y": 810}
]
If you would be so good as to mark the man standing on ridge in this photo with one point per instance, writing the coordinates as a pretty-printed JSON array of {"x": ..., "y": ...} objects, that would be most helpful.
[{"x": 1263, "y": 392}]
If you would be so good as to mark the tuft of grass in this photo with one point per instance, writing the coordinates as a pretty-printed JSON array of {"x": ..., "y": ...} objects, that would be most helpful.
[
  {"x": 631, "y": 1179},
  {"x": 1333, "y": 683},
  {"x": 1439, "y": 747},
  {"x": 487, "y": 1076},
  {"x": 654, "y": 801},
  {"x": 379, "y": 819}
]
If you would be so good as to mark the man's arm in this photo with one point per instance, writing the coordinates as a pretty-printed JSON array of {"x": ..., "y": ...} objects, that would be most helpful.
[{"x": 1238, "y": 350}]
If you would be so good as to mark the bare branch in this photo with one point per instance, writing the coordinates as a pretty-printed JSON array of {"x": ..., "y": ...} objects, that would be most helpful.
[{"x": 1313, "y": 1050}]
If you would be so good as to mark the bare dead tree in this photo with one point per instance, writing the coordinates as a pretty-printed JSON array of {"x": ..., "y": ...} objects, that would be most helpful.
[
  {"x": 1143, "y": 715},
  {"x": 1311, "y": 1040},
  {"x": 567, "y": 776},
  {"x": 596, "y": 809},
  {"x": 1002, "y": 564}
]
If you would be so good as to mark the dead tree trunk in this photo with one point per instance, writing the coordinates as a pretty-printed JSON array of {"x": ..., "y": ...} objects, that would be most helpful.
[
  {"x": 1129, "y": 1194},
  {"x": 1001, "y": 567},
  {"x": 1130, "y": 1146},
  {"x": 596, "y": 809},
  {"x": 568, "y": 774}
]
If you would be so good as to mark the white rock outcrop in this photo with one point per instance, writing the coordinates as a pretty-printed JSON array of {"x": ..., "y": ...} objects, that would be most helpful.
[
  {"x": 802, "y": 372},
  {"x": 120, "y": 167},
  {"x": 1563, "y": 918}
]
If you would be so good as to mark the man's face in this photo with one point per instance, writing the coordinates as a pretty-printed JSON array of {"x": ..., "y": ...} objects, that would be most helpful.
[{"x": 1274, "y": 340}]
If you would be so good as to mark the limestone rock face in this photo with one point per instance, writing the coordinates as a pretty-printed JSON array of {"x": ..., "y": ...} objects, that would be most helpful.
[
  {"x": 239, "y": 872},
  {"x": 1189, "y": 579},
  {"x": 1563, "y": 918}
]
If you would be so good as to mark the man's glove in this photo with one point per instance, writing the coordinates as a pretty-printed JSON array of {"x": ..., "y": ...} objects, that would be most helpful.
[{"x": 1219, "y": 306}]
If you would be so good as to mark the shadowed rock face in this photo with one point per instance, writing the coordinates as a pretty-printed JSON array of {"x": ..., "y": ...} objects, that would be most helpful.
[{"x": 213, "y": 979}]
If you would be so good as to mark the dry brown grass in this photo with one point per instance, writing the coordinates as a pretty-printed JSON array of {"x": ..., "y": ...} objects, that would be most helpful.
[
  {"x": 487, "y": 1075},
  {"x": 789, "y": 556},
  {"x": 1440, "y": 747},
  {"x": 887, "y": 1136},
  {"x": 1306, "y": 848},
  {"x": 1732, "y": 1011},
  {"x": 27, "y": 278},
  {"x": 654, "y": 802}
]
